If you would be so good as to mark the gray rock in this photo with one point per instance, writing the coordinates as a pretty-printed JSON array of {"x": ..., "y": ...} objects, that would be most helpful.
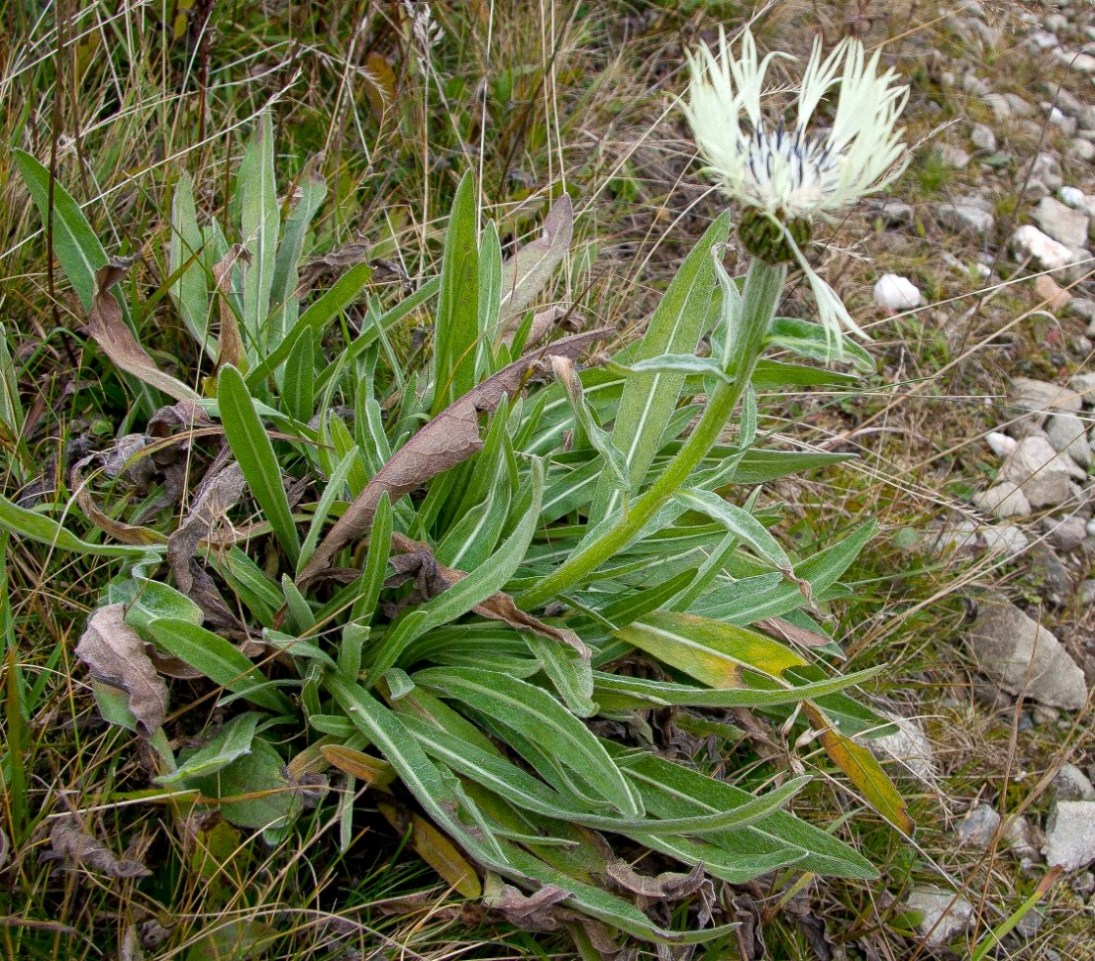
[
  {"x": 1019, "y": 106},
  {"x": 1042, "y": 40},
  {"x": 1063, "y": 224},
  {"x": 1007, "y": 540},
  {"x": 1001, "y": 109},
  {"x": 1080, "y": 62},
  {"x": 1065, "y": 534},
  {"x": 1083, "y": 884},
  {"x": 1039, "y": 470},
  {"x": 1047, "y": 168},
  {"x": 1082, "y": 307},
  {"x": 908, "y": 746},
  {"x": 1071, "y": 784},
  {"x": 1071, "y": 196},
  {"x": 955, "y": 157},
  {"x": 1047, "y": 253},
  {"x": 967, "y": 214},
  {"x": 1070, "y": 835},
  {"x": 943, "y": 916},
  {"x": 1003, "y": 500},
  {"x": 1086, "y": 593},
  {"x": 1021, "y": 838},
  {"x": 1068, "y": 435},
  {"x": 1027, "y": 394},
  {"x": 974, "y": 85},
  {"x": 1052, "y": 576},
  {"x": 1023, "y": 657},
  {"x": 894, "y": 213},
  {"x": 978, "y": 826},
  {"x": 982, "y": 137},
  {"x": 1084, "y": 384}
]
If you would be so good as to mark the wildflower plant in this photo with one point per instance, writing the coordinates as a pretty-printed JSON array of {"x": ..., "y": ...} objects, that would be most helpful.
[{"x": 461, "y": 594}]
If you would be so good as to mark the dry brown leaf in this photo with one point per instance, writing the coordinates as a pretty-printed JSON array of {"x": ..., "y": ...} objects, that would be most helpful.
[
  {"x": 229, "y": 342},
  {"x": 70, "y": 844},
  {"x": 107, "y": 326},
  {"x": 786, "y": 631},
  {"x": 527, "y": 271},
  {"x": 667, "y": 886},
  {"x": 115, "y": 655},
  {"x": 539, "y": 911},
  {"x": 119, "y": 530},
  {"x": 447, "y": 440},
  {"x": 215, "y": 497}
]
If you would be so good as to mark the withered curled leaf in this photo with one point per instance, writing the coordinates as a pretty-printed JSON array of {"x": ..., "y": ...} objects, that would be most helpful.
[
  {"x": 107, "y": 326},
  {"x": 115, "y": 655},
  {"x": 70, "y": 844}
]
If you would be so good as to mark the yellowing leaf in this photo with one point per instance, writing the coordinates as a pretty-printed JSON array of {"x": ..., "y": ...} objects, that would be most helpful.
[
  {"x": 436, "y": 850},
  {"x": 712, "y": 652},
  {"x": 864, "y": 771},
  {"x": 374, "y": 771}
]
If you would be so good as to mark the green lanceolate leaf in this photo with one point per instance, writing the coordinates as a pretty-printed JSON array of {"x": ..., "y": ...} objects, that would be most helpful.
[
  {"x": 252, "y": 791},
  {"x": 486, "y": 580},
  {"x": 457, "y": 329},
  {"x": 615, "y": 693},
  {"x": 813, "y": 341},
  {"x": 542, "y": 719},
  {"x": 283, "y": 297},
  {"x": 219, "y": 661},
  {"x": 231, "y": 742},
  {"x": 74, "y": 242},
  {"x": 255, "y": 453},
  {"x": 259, "y": 222},
  {"x": 649, "y": 399},
  {"x": 191, "y": 290},
  {"x": 38, "y": 527},
  {"x": 739, "y": 522},
  {"x": 315, "y": 321}
]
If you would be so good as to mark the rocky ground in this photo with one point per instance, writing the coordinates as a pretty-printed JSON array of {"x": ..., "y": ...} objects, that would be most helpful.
[{"x": 989, "y": 243}]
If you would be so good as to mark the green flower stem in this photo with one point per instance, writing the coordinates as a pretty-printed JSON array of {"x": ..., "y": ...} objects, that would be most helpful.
[{"x": 763, "y": 286}]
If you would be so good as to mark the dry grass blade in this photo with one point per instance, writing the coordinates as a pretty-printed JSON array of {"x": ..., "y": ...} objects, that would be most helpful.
[
  {"x": 447, "y": 440},
  {"x": 230, "y": 344}
]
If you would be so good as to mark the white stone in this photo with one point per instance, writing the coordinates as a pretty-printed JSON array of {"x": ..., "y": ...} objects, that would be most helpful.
[
  {"x": 943, "y": 916},
  {"x": 1064, "y": 224},
  {"x": 1003, "y": 500},
  {"x": 894, "y": 292},
  {"x": 1071, "y": 197},
  {"x": 1001, "y": 109},
  {"x": 1043, "y": 40},
  {"x": 1084, "y": 384},
  {"x": 1071, "y": 784},
  {"x": 1068, "y": 435},
  {"x": 1070, "y": 835},
  {"x": 1001, "y": 444},
  {"x": 979, "y": 825},
  {"x": 1047, "y": 253},
  {"x": 1059, "y": 119},
  {"x": 1007, "y": 540},
  {"x": 1039, "y": 470}
]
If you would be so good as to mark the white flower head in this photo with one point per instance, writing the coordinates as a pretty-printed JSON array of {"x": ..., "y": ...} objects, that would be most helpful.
[{"x": 784, "y": 172}]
